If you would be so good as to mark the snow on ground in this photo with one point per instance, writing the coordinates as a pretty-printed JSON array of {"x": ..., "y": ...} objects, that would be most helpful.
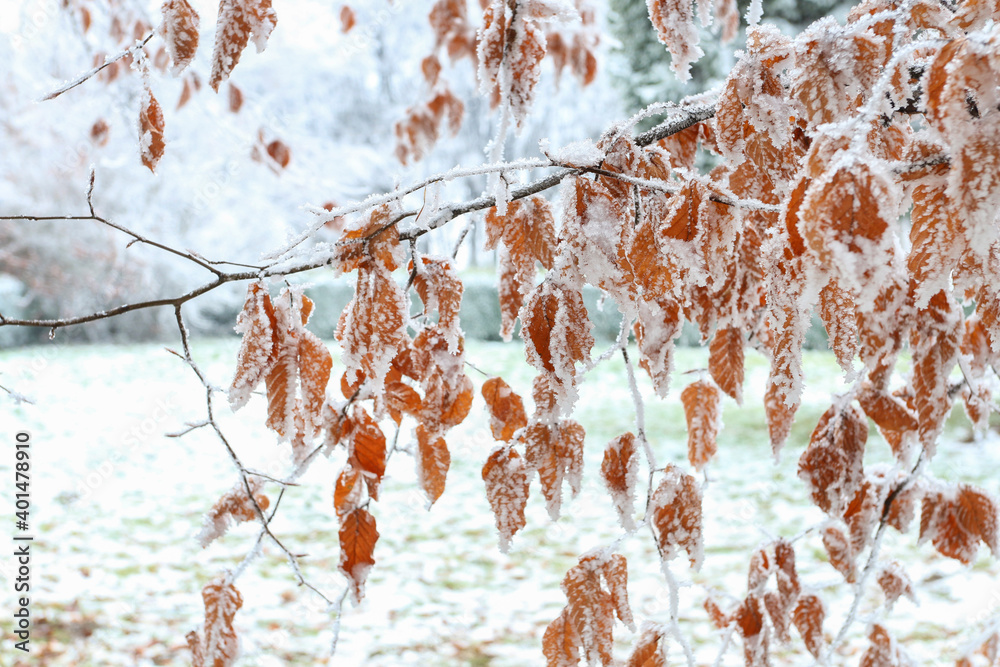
[{"x": 116, "y": 572}]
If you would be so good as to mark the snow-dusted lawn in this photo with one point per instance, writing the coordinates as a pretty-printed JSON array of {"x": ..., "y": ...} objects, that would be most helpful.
[{"x": 117, "y": 573}]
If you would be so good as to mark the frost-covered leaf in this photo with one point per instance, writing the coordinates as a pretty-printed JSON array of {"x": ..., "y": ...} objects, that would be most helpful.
[
  {"x": 257, "y": 351},
  {"x": 433, "y": 461},
  {"x": 491, "y": 47},
  {"x": 373, "y": 327},
  {"x": 561, "y": 642},
  {"x": 440, "y": 289},
  {"x": 676, "y": 516},
  {"x": 845, "y": 220},
  {"x": 835, "y": 68},
  {"x": 842, "y": 556},
  {"x": 619, "y": 471},
  {"x": 749, "y": 618},
  {"x": 719, "y": 618},
  {"x": 556, "y": 329},
  {"x": 347, "y": 491},
  {"x": 895, "y": 583},
  {"x": 883, "y": 651},
  {"x": 238, "y": 22},
  {"x": 180, "y": 33},
  {"x": 659, "y": 323},
  {"x": 527, "y": 229},
  {"x": 448, "y": 391},
  {"x": 526, "y": 52},
  {"x": 674, "y": 23},
  {"x": 506, "y": 478},
  {"x": 934, "y": 343},
  {"x": 831, "y": 465},
  {"x": 219, "y": 646},
  {"x": 701, "y": 410},
  {"x": 357, "y": 543},
  {"x": 889, "y": 413},
  {"x": 233, "y": 507},
  {"x": 555, "y": 451},
  {"x": 150, "y": 129},
  {"x": 506, "y": 408},
  {"x": 837, "y": 313},
  {"x": 725, "y": 361},
  {"x": 296, "y": 381},
  {"x": 648, "y": 651},
  {"x": 808, "y": 618},
  {"x": 367, "y": 447},
  {"x": 937, "y": 238},
  {"x": 591, "y": 608}
]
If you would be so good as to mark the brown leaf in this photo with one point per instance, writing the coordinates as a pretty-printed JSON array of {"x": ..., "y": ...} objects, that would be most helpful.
[
  {"x": 895, "y": 583},
  {"x": 371, "y": 239},
  {"x": 725, "y": 361},
  {"x": 749, "y": 619},
  {"x": 219, "y": 646},
  {"x": 235, "y": 98},
  {"x": 719, "y": 618},
  {"x": 367, "y": 447},
  {"x": 401, "y": 398},
  {"x": 674, "y": 23},
  {"x": 619, "y": 470},
  {"x": 888, "y": 413},
  {"x": 258, "y": 350},
  {"x": 658, "y": 325},
  {"x": 701, "y": 410},
  {"x": 357, "y": 543},
  {"x": 373, "y": 329},
  {"x": 676, "y": 512},
  {"x": 347, "y": 19},
  {"x": 837, "y": 313},
  {"x": 832, "y": 463},
  {"x": 934, "y": 343},
  {"x": 433, "y": 461},
  {"x": 937, "y": 239},
  {"x": 556, "y": 329},
  {"x": 779, "y": 416},
  {"x": 180, "y": 32},
  {"x": 592, "y": 609},
  {"x": 648, "y": 650},
  {"x": 506, "y": 408},
  {"x": 347, "y": 491},
  {"x": 808, "y": 618},
  {"x": 555, "y": 451},
  {"x": 315, "y": 364},
  {"x": 838, "y": 548},
  {"x": 238, "y": 21},
  {"x": 234, "y": 506},
  {"x": 883, "y": 651},
  {"x": 440, "y": 289},
  {"x": 516, "y": 280},
  {"x": 785, "y": 573},
  {"x": 150, "y": 129},
  {"x": 506, "y": 478},
  {"x": 525, "y": 58},
  {"x": 978, "y": 512},
  {"x": 561, "y": 642}
]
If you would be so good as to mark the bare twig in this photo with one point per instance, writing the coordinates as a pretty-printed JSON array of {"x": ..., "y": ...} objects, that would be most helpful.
[
  {"x": 293, "y": 559},
  {"x": 92, "y": 72}
]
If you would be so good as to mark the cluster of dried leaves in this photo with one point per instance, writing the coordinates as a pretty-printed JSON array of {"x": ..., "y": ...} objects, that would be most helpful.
[
  {"x": 239, "y": 22},
  {"x": 857, "y": 177}
]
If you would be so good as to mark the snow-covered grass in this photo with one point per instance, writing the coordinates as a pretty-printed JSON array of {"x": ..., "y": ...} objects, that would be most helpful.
[{"x": 116, "y": 571}]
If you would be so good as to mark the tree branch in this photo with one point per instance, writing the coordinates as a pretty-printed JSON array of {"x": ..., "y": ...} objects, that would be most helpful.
[{"x": 89, "y": 74}]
